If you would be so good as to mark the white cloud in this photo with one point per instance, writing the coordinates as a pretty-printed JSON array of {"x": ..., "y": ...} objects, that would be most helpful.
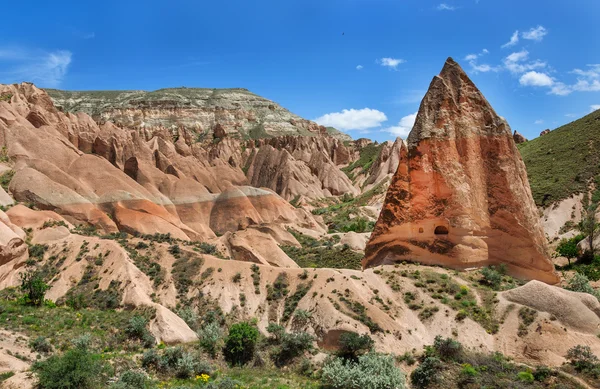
[
  {"x": 593, "y": 72},
  {"x": 515, "y": 62},
  {"x": 391, "y": 63},
  {"x": 535, "y": 34},
  {"x": 514, "y": 39},
  {"x": 42, "y": 68},
  {"x": 353, "y": 119},
  {"x": 560, "y": 89},
  {"x": 594, "y": 107},
  {"x": 445, "y": 7},
  {"x": 572, "y": 115},
  {"x": 480, "y": 68},
  {"x": 359, "y": 67},
  {"x": 539, "y": 121},
  {"x": 536, "y": 79},
  {"x": 404, "y": 126}
]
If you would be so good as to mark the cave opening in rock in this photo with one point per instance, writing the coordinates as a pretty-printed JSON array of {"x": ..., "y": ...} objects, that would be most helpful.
[{"x": 441, "y": 230}]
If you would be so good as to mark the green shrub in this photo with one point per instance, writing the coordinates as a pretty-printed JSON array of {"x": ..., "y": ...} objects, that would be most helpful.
[
  {"x": 426, "y": 373},
  {"x": 37, "y": 251},
  {"x": 189, "y": 316},
  {"x": 352, "y": 345},
  {"x": 136, "y": 329},
  {"x": 582, "y": 358},
  {"x": 492, "y": 276},
  {"x": 208, "y": 248},
  {"x": 33, "y": 285},
  {"x": 292, "y": 346},
  {"x": 469, "y": 371},
  {"x": 525, "y": 376},
  {"x": 447, "y": 349},
  {"x": 210, "y": 337},
  {"x": 542, "y": 373},
  {"x": 82, "y": 342},
  {"x": 75, "y": 369},
  {"x": 240, "y": 343},
  {"x": 133, "y": 379},
  {"x": 40, "y": 345},
  {"x": 371, "y": 371},
  {"x": 580, "y": 283}
]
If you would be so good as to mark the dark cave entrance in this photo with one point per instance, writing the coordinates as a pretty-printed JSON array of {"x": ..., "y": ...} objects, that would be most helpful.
[{"x": 441, "y": 230}]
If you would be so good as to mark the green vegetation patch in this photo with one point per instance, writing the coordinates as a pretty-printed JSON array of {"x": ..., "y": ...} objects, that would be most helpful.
[
  {"x": 563, "y": 161},
  {"x": 322, "y": 254}
]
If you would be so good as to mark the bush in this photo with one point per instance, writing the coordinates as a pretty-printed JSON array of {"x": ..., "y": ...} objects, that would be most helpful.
[
  {"x": 34, "y": 287},
  {"x": 240, "y": 343},
  {"x": 189, "y": 316},
  {"x": 542, "y": 373},
  {"x": 447, "y": 349},
  {"x": 352, "y": 345},
  {"x": 582, "y": 358},
  {"x": 580, "y": 283},
  {"x": 372, "y": 371},
  {"x": 426, "y": 373},
  {"x": 40, "y": 345},
  {"x": 75, "y": 369},
  {"x": 210, "y": 336},
  {"x": 292, "y": 346},
  {"x": 133, "y": 379},
  {"x": 136, "y": 329},
  {"x": 82, "y": 342},
  {"x": 492, "y": 276},
  {"x": 525, "y": 376}
]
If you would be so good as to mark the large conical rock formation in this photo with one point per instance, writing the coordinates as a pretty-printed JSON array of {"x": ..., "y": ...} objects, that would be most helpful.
[{"x": 460, "y": 196}]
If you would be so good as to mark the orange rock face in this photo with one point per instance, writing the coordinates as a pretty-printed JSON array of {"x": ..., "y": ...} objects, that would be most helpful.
[{"x": 460, "y": 196}]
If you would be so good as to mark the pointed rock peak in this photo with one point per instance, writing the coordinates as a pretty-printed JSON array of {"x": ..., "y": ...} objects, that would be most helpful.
[
  {"x": 453, "y": 107},
  {"x": 460, "y": 196}
]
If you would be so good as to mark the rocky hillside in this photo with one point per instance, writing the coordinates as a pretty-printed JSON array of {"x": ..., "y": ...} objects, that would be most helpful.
[
  {"x": 562, "y": 162},
  {"x": 151, "y": 244},
  {"x": 238, "y": 112}
]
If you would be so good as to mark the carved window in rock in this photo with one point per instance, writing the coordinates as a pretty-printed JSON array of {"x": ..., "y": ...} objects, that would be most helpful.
[
  {"x": 441, "y": 230},
  {"x": 420, "y": 230}
]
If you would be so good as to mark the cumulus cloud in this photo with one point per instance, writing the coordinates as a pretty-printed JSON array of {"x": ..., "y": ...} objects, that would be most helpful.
[
  {"x": 514, "y": 39},
  {"x": 391, "y": 63},
  {"x": 359, "y": 67},
  {"x": 445, "y": 7},
  {"x": 594, "y": 107},
  {"x": 535, "y": 34},
  {"x": 480, "y": 68},
  {"x": 353, "y": 119},
  {"x": 404, "y": 126},
  {"x": 516, "y": 62},
  {"x": 46, "y": 69},
  {"x": 536, "y": 79},
  {"x": 588, "y": 80}
]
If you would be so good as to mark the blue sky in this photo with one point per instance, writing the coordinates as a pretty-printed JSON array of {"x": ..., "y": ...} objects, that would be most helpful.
[{"x": 360, "y": 65}]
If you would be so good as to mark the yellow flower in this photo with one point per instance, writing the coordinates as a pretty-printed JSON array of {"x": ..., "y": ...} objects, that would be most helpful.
[{"x": 203, "y": 377}]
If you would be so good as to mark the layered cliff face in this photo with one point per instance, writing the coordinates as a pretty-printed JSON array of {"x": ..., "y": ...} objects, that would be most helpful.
[
  {"x": 238, "y": 112},
  {"x": 117, "y": 180},
  {"x": 460, "y": 196}
]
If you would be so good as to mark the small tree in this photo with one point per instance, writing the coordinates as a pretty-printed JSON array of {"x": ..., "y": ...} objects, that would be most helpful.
[
  {"x": 34, "y": 287},
  {"x": 568, "y": 248},
  {"x": 589, "y": 226},
  {"x": 240, "y": 343},
  {"x": 352, "y": 345}
]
